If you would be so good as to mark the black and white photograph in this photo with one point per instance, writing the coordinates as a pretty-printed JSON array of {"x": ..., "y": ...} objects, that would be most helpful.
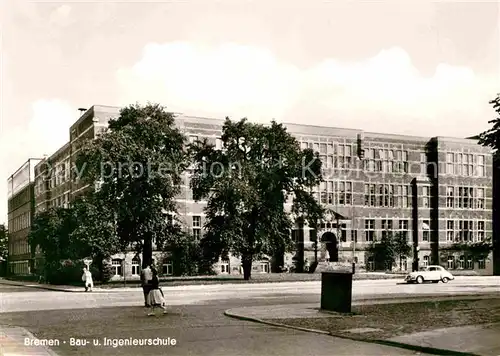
[{"x": 249, "y": 177}]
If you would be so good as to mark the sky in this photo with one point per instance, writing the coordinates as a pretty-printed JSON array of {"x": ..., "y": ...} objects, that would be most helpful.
[{"x": 409, "y": 67}]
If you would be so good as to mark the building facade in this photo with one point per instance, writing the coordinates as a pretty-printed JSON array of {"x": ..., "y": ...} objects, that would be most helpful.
[
  {"x": 20, "y": 211},
  {"x": 437, "y": 191}
]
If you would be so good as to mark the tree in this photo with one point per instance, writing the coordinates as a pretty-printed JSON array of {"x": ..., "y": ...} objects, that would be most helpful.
[
  {"x": 138, "y": 163},
  {"x": 246, "y": 184},
  {"x": 94, "y": 232},
  {"x": 401, "y": 247},
  {"x": 491, "y": 137},
  {"x": 4, "y": 243},
  {"x": 388, "y": 249}
]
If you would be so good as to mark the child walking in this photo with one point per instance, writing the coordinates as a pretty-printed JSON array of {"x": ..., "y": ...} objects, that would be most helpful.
[
  {"x": 87, "y": 279},
  {"x": 155, "y": 296}
]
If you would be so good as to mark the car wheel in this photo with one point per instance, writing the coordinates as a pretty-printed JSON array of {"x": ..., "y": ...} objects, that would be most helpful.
[
  {"x": 445, "y": 279},
  {"x": 420, "y": 279}
]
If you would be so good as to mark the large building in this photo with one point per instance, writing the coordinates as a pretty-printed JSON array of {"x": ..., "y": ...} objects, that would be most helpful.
[
  {"x": 20, "y": 211},
  {"x": 435, "y": 190}
]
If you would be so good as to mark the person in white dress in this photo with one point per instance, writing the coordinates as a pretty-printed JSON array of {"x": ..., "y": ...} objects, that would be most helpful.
[
  {"x": 87, "y": 279},
  {"x": 327, "y": 256}
]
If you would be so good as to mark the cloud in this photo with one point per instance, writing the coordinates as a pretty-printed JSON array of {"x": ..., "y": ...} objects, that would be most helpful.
[
  {"x": 247, "y": 81},
  {"x": 46, "y": 132},
  {"x": 61, "y": 16}
]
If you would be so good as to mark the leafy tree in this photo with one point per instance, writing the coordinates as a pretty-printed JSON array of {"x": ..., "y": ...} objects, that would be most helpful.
[
  {"x": 491, "y": 137},
  {"x": 94, "y": 231},
  {"x": 4, "y": 243},
  {"x": 401, "y": 247},
  {"x": 388, "y": 249},
  {"x": 139, "y": 163},
  {"x": 246, "y": 184},
  {"x": 185, "y": 254}
]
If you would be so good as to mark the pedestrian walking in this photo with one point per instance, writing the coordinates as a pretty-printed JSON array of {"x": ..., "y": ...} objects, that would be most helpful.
[
  {"x": 327, "y": 256},
  {"x": 87, "y": 279},
  {"x": 146, "y": 277},
  {"x": 155, "y": 296}
]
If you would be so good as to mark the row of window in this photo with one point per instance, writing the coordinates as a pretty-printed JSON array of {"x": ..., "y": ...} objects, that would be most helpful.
[
  {"x": 19, "y": 247},
  {"x": 465, "y": 197},
  {"x": 462, "y": 262},
  {"x": 20, "y": 222},
  {"x": 464, "y": 230},
  {"x": 117, "y": 267},
  {"x": 465, "y": 164},
  {"x": 387, "y": 195}
]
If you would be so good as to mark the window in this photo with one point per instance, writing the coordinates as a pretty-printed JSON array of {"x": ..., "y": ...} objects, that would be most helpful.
[
  {"x": 426, "y": 196},
  {"x": 458, "y": 164},
  {"x": 386, "y": 227},
  {"x": 369, "y": 229},
  {"x": 295, "y": 235},
  {"x": 167, "y": 267},
  {"x": 480, "y": 230},
  {"x": 480, "y": 198},
  {"x": 465, "y": 230},
  {"x": 450, "y": 233},
  {"x": 426, "y": 231},
  {"x": 426, "y": 261},
  {"x": 481, "y": 264},
  {"x": 461, "y": 262},
  {"x": 116, "y": 266},
  {"x": 465, "y": 197},
  {"x": 303, "y": 145},
  {"x": 423, "y": 164},
  {"x": 450, "y": 200},
  {"x": 322, "y": 148},
  {"x": 403, "y": 228},
  {"x": 354, "y": 235},
  {"x": 405, "y": 161},
  {"x": 136, "y": 267},
  {"x": 370, "y": 160},
  {"x": 224, "y": 267},
  {"x": 469, "y": 263},
  {"x": 345, "y": 193},
  {"x": 370, "y": 194},
  {"x": 480, "y": 166},
  {"x": 386, "y": 195},
  {"x": 344, "y": 156},
  {"x": 451, "y": 262},
  {"x": 404, "y": 196},
  {"x": 264, "y": 267},
  {"x": 196, "y": 227}
]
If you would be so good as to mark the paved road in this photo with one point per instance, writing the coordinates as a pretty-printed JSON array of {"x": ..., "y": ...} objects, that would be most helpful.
[
  {"x": 195, "y": 317},
  {"x": 188, "y": 295},
  {"x": 198, "y": 330}
]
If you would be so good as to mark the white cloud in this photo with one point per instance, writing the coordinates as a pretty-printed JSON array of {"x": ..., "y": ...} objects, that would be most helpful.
[
  {"x": 247, "y": 81},
  {"x": 46, "y": 132},
  {"x": 61, "y": 16}
]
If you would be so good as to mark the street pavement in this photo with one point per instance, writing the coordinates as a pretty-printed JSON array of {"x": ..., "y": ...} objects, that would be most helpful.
[
  {"x": 193, "y": 294},
  {"x": 196, "y": 319}
]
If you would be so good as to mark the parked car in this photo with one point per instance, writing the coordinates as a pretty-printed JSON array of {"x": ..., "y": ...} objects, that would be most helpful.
[{"x": 430, "y": 274}]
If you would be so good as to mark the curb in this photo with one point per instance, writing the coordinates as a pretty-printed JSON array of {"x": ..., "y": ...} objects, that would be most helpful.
[
  {"x": 40, "y": 286},
  {"x": 424, "y": 349}
]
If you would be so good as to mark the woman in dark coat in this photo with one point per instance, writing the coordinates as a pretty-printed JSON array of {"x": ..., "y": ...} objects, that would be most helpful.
[{"x": 155, "y": 296}]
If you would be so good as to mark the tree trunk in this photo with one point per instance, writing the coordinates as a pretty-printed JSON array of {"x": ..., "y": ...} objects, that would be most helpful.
[
  {"x": 147, "y": 251},
  {"x": 246, "y": 262}
]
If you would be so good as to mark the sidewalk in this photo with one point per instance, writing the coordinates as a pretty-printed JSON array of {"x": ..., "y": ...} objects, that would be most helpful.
[
  {"x": 182, "y": 282},
  {"x": 466, "y": 340},
  {"x": 15, "y": 341}
]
